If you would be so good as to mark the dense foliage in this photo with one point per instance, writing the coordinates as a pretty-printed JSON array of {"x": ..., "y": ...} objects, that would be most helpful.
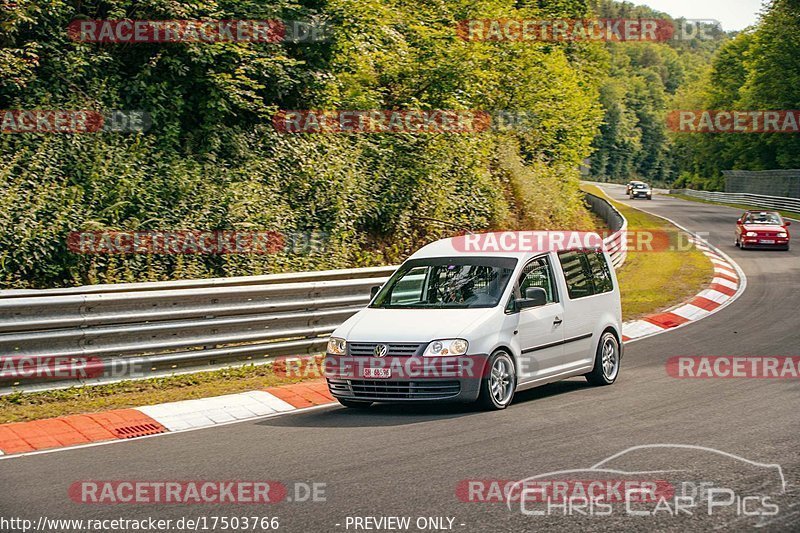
[
  {"x": 755, "y": 70},
  {"x": 638, "y": 93},
  {"x": 213, "y": 161}
]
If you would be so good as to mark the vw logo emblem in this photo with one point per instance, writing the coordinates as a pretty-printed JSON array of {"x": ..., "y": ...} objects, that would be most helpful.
[{"x": 381, "y": 350}]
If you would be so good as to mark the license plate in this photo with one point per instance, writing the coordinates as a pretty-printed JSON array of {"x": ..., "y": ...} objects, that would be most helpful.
[
  {"x": 378, "y": 373},
  {"x": 765, "y": 241}
]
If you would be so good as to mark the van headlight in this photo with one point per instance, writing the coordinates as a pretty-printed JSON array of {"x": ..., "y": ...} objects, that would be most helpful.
[
  {"x": 337, "y": 346},
  {"x": 446, "y": 348}
]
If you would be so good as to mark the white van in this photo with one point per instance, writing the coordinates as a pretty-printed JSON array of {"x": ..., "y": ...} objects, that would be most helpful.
[{"x": 458, "y": 326}]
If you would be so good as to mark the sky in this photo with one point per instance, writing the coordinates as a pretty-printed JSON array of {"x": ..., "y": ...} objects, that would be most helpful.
[{"x": 733, "y": 14}]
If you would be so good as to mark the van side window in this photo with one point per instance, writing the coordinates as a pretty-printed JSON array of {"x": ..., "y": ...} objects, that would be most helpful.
[
  {"x": 537, "y": 273},
  {"x": 577, "y": 273},
  {"x": 601, "y": 274}
]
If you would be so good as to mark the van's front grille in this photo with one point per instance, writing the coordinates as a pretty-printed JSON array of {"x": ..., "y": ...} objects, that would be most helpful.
[
  {"x": 367, "y": 349},
  {"x": 394, "y": 390}
]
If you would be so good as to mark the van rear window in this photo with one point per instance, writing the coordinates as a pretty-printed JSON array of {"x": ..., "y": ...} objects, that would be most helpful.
[
  {"x": 586, "y": 273},
  {"x": 577, "y": 274},
  {"x": 601, "y": 273}
]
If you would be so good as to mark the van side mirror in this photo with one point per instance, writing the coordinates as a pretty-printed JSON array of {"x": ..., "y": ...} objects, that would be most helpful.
[
  {"x": 534, "y": 297},
  {"x": 373, "y": 291}
]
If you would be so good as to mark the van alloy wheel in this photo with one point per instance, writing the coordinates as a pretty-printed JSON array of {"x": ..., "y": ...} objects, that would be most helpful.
[
  {"x": 497, "y": 388},
  {"x": 606, "y": 361},
  {"x": 610, "y": 355},
  {"x": 500, "y": 380}
]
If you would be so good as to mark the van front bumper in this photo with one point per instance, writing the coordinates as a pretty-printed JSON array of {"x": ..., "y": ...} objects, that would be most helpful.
[{"x": 411, "y": 379}]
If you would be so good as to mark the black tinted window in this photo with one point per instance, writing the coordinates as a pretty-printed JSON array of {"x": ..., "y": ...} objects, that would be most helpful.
[
  {"x": 577, "y": 274},
  {"x": 601, "y": 274}
]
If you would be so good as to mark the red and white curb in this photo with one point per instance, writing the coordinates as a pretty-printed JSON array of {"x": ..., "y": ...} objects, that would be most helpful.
[
  {"x": 728, "y": 284},
  {"x": 22, "y": 438}
]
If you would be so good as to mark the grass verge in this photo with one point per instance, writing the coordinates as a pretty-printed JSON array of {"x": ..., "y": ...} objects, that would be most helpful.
[
  {"x": 19, "y": 407},
  {"x": 649, "y": 282},
  {"x": 653, "y": 281}
]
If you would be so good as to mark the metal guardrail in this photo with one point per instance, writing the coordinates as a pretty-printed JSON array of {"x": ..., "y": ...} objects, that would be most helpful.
[
  {"x": 616, "y": 223},
  {"x": 755, "y": 200},
  {"x": 269, "y": 279},
  {"x": 106, "y": 333},
  {"x": 140, "y": 330}
]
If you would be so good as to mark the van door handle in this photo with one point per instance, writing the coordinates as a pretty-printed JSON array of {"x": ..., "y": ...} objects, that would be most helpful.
[{"x": 557, "y": 321}]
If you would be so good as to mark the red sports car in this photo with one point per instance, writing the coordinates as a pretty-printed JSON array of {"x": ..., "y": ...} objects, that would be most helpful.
[{"x": 762, "y": 229}]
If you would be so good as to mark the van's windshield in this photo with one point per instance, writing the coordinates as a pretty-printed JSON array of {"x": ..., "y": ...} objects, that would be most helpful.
[{"x": 447, "y": 282}]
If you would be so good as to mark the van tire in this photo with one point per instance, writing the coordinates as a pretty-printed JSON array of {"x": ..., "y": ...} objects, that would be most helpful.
[
  {"x": 606, "y": 355},
  {"x": 499, "y": 362},
  {"x": 354, "y": 404}
]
